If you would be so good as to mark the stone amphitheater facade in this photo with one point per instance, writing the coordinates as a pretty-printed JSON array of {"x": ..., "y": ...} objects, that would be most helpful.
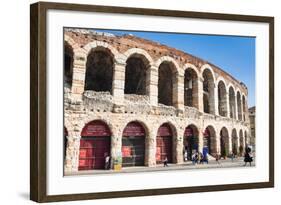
[{"x": 177, "y": 89}]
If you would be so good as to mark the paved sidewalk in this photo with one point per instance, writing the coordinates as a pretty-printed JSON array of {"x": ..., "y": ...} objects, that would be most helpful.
[{"x": 227, "y": 163}]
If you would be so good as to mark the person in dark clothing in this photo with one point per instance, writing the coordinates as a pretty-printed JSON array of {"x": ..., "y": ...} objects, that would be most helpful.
[
  {"x": 165, "y": 162},
  {"x": 217, "y": 158},
  {"x": 248, "y": 158}
]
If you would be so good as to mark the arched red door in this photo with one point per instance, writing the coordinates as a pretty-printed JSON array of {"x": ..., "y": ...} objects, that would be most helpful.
[
  {"x": 94, "y": 146},
  {"x": 133, "y": 145},
  {"x": 164, "y": 143}
]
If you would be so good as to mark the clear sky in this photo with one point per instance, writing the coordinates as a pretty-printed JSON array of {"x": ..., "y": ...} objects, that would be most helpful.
[{"x": 233, "y": 54}]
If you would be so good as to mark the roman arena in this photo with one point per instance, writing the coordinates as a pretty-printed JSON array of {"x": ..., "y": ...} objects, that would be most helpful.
[{"x": 142, "y": 102}]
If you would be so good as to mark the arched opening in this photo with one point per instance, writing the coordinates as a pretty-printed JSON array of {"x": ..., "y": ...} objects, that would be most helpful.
[
  {"x": 99, "y": 70},
  {"x": 94, "y": 145},
  {"x": 206, "y": 103},
  {"x": 242, "y": 143},
  {"x": 133, "y": 145},
  {"x": 239, "y": 103},
  {"x": 209, "y": 141},
  {"x": 136, "y": 75},
  {"x": 222, "y": 97},
  {"x": 65, "y": 135},
  {"x": 166, "y": 83},
  {"x": 244, "y": 107},
  {"x": 235, "y": 148},
  {"x": 208, "y": 92},
  {"x": 232, "y": 106},
  {"x": 68, "y": 64},
  {"x": 190, "y": 88},
  {"x": 224, "y": 142},
  {"x": 190, "y": 141},
  {"x": 164, "y": 144}
]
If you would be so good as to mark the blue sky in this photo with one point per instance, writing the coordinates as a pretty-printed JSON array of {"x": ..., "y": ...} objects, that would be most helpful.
[{"x": 233, "y": 54}]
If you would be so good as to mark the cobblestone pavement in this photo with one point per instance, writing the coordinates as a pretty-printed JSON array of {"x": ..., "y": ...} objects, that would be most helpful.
[{"x": 224, "y": 163}]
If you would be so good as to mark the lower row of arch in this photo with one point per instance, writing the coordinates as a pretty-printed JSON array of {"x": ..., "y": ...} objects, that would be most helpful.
[{"x": 166, "y": 130}]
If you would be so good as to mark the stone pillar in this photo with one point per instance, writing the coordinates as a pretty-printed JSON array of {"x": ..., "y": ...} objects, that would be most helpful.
[
  {"x": 200, "y": 95},
  {"x": 78, "y": 76},
  {"x": 178, "y": 90},
  {"x": 150, "y": 149},
  {"x": 116, "y": 147},
  {"x": 218, "y": 143},
  {"x": 71, "y": 163},
  {"x": 178, "y": 147},
  {"x": 238, "y": 144},
  {"x": 200, "y": 140},
  {"x": 216, "y": 99},
  {"x": 195, "y": 93},
  {"x": 152, "y": 85},
  {"x": 229, "y": 144},
  {"x": 236, "y": 108},
  {"x": 118, "y": 84},
  {"x": 227, "y": 105},
  {"x": 244, "y": 141},
  {"x": 247, "y": 119}
]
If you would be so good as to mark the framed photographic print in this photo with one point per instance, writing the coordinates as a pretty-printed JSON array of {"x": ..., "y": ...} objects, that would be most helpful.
[{"x": 135, "y": 102}]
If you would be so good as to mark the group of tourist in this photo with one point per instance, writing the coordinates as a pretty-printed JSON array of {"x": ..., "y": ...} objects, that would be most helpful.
[
  {"x": 196, "y": 157},
  {"x": 199, "y": 158}
]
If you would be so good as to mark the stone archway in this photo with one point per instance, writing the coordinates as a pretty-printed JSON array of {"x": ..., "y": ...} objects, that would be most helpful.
[
  {"x": 164, "y": 143},
  {"x": 167, "y": 83},
  {"x": 222, "y": 99},
  {"x": 95, "y": 144},
  {"x": 235, "y": 144},
  {"x": 208, "y": 91},
  {"x": 190, "y": 88},
  {"x": 190, "y": 141},
  {"x": 209, "y": 140},
  {"x": 224, "y": 142},
  {"x": 136, "y": 75},
  {"x": 68, "y": 64},
  {"x": 99, "y": 70},
  {"x": 232, "y": 104},
  {"x": 239, "y": 104}
]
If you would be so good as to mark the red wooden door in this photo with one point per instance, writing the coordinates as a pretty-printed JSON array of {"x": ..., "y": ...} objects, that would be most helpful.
[
  {"x": 86, "y": 157},
  {"x": 164, "y": 144},
  {"x": 94, "y": 146}
]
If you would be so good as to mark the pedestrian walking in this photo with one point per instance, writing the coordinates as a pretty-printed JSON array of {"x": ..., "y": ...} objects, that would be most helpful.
[
  {"x": 248, "y": 158},
  {"x": 232, "y": 156},
  {"x": 165, "y": 162},
  {"x": 217, "y": 158},
  {"x": 206, "y": 158},
  {"x": 185, "y": 155},
  {"x": 193, "y": 158},
  {"x": 107, "y": 162}
]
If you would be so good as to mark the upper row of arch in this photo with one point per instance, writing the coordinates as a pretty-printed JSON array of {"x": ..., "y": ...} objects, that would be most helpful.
[{"x": 122, "y": 57}]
